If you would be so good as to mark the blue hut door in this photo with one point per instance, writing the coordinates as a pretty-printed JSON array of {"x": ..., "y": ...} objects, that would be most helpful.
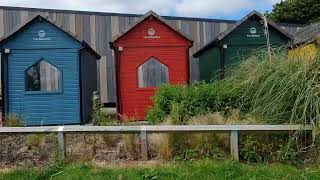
[{"x": 43, "y": 86}]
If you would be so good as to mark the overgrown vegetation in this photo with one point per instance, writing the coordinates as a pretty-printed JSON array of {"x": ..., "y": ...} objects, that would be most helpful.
[
  {"x": 280, "y": 89},
  {"x": 275, "y": 89},
  {"x": 264, "y": 89},
  {"x": 275, "y": 147}
]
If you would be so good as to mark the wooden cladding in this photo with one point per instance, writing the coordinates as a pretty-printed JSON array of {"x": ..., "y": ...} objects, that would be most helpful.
[
  {"x": 152, "y": 73},
  {"x": 99, "y": 28}
]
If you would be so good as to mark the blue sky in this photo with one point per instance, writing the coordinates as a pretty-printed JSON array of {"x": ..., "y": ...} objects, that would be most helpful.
[{"x": 218, "y": 9}]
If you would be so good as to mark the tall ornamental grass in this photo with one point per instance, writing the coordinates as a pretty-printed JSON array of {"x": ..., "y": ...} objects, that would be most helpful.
[{"x": 280, "y": 89}]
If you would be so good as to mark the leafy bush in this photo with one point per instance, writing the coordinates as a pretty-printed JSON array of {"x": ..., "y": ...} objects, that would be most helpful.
[{"x": 183, "y": 102}]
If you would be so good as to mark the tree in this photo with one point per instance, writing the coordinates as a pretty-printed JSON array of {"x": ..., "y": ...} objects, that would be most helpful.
[{"x": 296, "y": 11}]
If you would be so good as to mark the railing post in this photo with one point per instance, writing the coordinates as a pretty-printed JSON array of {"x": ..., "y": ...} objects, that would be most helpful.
[
  {"x": 61, "y": 143},
  {"x": 144, "y": 143},
  {"x": 234, "y": 145}
]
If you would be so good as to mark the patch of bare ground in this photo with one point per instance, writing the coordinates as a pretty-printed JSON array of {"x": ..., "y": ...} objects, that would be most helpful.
[{"x": 25, "y": 150}]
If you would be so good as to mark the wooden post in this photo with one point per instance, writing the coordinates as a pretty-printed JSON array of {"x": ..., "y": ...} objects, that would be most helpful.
[
  {"x": 61, "y": 142},
  {"x": 234, "y": 145},
  {"x": 144, "y": 143}
]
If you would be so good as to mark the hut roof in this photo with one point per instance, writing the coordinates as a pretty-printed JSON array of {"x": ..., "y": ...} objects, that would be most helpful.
[{"x": 233, "y": 27}]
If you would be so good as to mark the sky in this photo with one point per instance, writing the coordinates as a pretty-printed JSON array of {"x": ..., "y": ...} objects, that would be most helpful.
[{"x": 218, "y": 9}]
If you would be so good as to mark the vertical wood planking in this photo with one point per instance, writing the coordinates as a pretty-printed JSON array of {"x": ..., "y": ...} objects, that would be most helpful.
[
  {"x": 136, "y": 19},
  {"x": 121, "y": 24},
  {"x": 86, "y": 29},
  {"x": 54, "y": 17},
  {"x": 1, "y": 23},
  {"x": 223, "y": 27},
  {"x": 194, "y": 63},
  {"x": 15, "y": 19},
  {"x": 126, "y": 22},
  {"x": 101, "y": 42},
  {"x": 93, "y": 31},
  {"x": 103, "y": 76},
  {"x": 131, "y": 21},
  {"x": 24, "y": 16},
  {"x": 66, "y": 21},
  {"x": 174, "y": 23},
  {"x": 110, "y": 61},
  {"x": 204, "y": 33},
  {"x": 50, "y": 15},
  {"x": 60, "y": 19},
  {"x": 73, "y": 23},
  {"x": 103, "y": 29},
  {"x": 115, "y": 30},
  {"x": 79, "y": 25},
  {"x": 179, "y": 24},
  {"x": 199, "y": 34},
  {"x": 208, "y": 30},
  {"x": 114, "y": 26},
  {"x": 6, "y": 21}
]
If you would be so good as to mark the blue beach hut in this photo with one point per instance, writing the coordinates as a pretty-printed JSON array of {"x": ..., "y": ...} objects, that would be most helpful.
[{"x": 48, "y": 74}]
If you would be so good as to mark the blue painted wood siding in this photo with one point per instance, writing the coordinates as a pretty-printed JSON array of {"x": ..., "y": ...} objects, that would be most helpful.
[
  {"x": 61, "y": 51},
  {"x": 54, "y": 37}
]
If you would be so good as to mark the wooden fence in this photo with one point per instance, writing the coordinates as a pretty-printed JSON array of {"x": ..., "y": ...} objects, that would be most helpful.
[{"x": 144, "y": 130}]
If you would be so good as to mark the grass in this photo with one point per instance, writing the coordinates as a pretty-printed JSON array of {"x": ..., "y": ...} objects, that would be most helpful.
[
  {"x": 205, "y": 169},
  {"x": 280, "y": 89}
]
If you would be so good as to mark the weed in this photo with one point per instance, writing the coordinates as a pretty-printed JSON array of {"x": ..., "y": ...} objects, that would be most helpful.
[
  {"x": 13, "y": 120},
  {"x": 34, "y": 140},
  {"x": 99, "y": 118}
]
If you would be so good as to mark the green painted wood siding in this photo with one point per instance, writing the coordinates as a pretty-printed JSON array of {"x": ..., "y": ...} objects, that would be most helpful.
[
  {"x": 240, "y": 45},
  {"x": 240, "y": 35},
  {"x": 99, "y": 28},
  {"x": 209, "y": 64}
]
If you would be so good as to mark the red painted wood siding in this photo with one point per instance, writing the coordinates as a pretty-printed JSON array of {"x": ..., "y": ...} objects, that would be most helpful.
[{"x": 170, "y": 49}]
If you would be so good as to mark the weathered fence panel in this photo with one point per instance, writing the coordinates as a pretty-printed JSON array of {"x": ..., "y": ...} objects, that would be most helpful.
[{"x": 144, "y": 130}]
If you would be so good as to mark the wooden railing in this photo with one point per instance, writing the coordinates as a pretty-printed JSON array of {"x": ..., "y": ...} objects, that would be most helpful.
[{"x": 144, "y": 130}]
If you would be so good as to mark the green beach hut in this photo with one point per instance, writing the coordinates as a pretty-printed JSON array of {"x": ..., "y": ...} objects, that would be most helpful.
[{"x": 237, "y": 43}]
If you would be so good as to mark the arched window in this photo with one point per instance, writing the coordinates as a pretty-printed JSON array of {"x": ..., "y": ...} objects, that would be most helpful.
[
  {"x": 43, "y": 76},
  {"x": 152, "y": 73}
]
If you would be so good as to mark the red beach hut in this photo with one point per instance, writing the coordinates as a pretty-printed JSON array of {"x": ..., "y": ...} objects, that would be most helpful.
[{"x": 149, "y": 53}]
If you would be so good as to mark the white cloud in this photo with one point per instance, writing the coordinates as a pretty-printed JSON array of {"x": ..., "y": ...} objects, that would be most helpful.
[{"x": 191, "y": 8}]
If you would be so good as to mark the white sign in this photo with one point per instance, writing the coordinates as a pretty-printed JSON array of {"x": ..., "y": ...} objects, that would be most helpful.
[
  {"x": 151, "y": 34},
  {"x": 41, "y": 36},
  {"x": 253, "y": 32}
]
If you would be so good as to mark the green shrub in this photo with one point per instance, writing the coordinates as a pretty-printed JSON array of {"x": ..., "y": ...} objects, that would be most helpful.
[{"x": 183, "y": 102}]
